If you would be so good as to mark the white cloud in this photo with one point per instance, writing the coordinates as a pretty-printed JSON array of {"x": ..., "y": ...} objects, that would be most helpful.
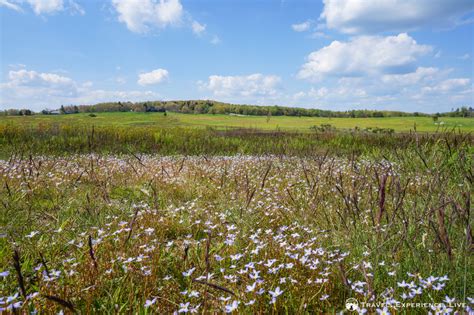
[
  {"x": 364, "y": 55},
  {"x": 253, "y": 85},
  {"x": 141, "y": 16},
  {"x": 41, "y": 7},
  {"x": 38, "y": 90},
  {"x": 25, "y": 78},
  {"x": 465, "y": 57},
  {"x": 422, "y": 74},
  {"x": 301, "y": 27},
  {"x": 198, "y": 28},
  {"x": 356, "y": 16},
  {"x": 154, "y": 77},
  {"x": 10, "y": 5},
  {"x": 215, "y": 40},
  {"x": 448, "y": 85},
  {"x": 46, "y": 6},
  {"x": 424, "y": 90}
]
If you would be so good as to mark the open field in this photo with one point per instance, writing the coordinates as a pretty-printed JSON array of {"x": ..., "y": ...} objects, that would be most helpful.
[
  {"x": 377, "y": 217},
  {"x": 285, "y": 123}
]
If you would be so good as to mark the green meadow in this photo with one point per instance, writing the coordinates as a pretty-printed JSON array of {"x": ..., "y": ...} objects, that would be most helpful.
[
  {"x": 147, "y": 213},
  {"x": 219, "y": 121}
]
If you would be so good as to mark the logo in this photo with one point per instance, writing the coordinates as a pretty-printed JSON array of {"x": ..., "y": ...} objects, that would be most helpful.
[{"x": 352, "y": 304}]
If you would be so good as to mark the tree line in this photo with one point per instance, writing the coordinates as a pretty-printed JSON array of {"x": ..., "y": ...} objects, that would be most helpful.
[{"x": 214, "y": 107}]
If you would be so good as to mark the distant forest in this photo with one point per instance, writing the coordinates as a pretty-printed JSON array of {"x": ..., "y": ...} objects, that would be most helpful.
[{"x": 214, "y": 107}]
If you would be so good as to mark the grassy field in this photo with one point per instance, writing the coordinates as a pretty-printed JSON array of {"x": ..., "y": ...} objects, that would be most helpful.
[
  {"x": 145, "y": 214},
  {"x": 142, "y": 234},
  {"x": 284, "y": 123}
]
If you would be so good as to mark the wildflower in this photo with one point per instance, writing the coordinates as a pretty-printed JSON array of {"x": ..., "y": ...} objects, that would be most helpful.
[
  {"x": 270, "y": 262},
  {"x": 324, "y": 297},
  {"x": 11, "y": 298},
  {"x": 4, "y": 274},
  {"x": 251, "y": 302},
  {"x": 149, "y": 231},
  {"x": 32, "y": 234},
  {"x": 250, "y": 265},
  {"x": 17, "y": 304},
  {"x": 183, "y": 307},
  {"x": 276, "y": 293},
  {"x": 383, "y": 311},
  {"x": 236, "y": 257},
  {"x": 417, "y": 291},
  {"x": 149, "y": 303},
  {"x": 193, "y": 294},
  {"x": 438, "y": 287},
  {"x": 254, "y": 275},
  {"x": 404, "y": 296},
  {"x": 189, "y": 272},
  {"x": 194, "y": 310},
  {"x": 232, "y": 307},
  {"x": 251, "y": 288},
  {"x": 449, "y": 300}
]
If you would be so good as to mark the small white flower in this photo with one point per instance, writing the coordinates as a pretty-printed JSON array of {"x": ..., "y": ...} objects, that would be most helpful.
[
  {"x": 183, "y": 307},
  {"x": 251, "y": 288},
  {"x": 149, "y": 303},
  {"x": 276, "y": 293},
  {"x": 189, "y": 272},
  {"x": 33, "y": 233},
  {"x": 383, "y": 311},
  {"x": 232, "y": 307}
]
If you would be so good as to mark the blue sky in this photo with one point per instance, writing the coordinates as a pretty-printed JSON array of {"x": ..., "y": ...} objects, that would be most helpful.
[{"x": 335, "y": 54}]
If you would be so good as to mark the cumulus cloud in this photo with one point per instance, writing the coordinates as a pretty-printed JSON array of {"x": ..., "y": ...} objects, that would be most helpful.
[
  {"x": 421, "y": 74},
  {"x": 10, "y": 5},
  {"x": 301, "y": 27},
  {"x": 198, "y": 28},
  {"x": 253, "y": 85},
  {"x": 355, "y": 16},
  {"x": 41, "y": 7},
  {"x": 153, "y": 77},
  {"x": 38, "y": 90},
  {"x": 448, "y": 85},
  {"x": 46, "y": 6},
  {"x": 364, "y": 55},
  {"x": 29, "y": 82},
  {"x": 425, "y": 90},
  {"x": 141, "y": 16}
]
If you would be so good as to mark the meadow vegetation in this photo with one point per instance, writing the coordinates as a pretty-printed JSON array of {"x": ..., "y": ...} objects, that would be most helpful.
[{"x": 121, "y": 218}]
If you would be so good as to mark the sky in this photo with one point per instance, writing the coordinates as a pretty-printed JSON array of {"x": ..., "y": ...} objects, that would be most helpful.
[{"x": 333, "y": 54}]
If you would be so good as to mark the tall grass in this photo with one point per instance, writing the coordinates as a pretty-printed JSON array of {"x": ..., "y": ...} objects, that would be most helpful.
[
  {"x": 96, "y": 221},
  {"x": 66, "y": 139}
]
